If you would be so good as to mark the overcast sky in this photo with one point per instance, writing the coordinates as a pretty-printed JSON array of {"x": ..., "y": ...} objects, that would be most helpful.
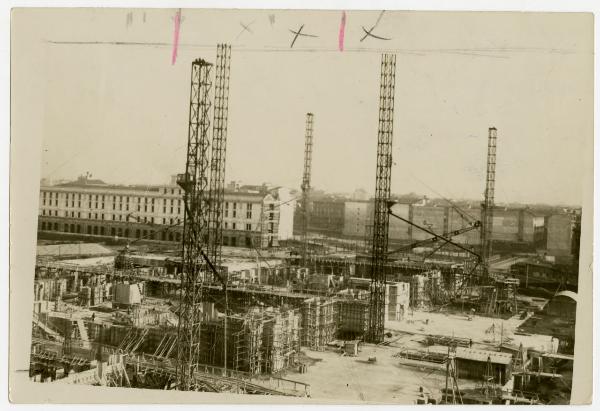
[{"x": 120, "y": 111}]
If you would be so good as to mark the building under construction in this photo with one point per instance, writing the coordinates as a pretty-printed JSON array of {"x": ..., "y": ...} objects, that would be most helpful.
[{"x": 198, "y": 317}]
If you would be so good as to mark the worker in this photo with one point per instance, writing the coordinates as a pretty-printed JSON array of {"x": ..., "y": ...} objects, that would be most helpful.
[
  {"x": 93, "y": 316},
  {"x": 470, "y": 343}
]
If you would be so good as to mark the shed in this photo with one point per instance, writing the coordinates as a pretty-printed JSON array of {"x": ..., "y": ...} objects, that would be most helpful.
[
  {"x": 472, "y": 363},
  {"x": 563, "y": 304}
]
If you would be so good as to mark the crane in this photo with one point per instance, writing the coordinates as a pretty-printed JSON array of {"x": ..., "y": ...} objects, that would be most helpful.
[
  {"x": 383, "y": 177},
  {"x": 308, "y": 145}
]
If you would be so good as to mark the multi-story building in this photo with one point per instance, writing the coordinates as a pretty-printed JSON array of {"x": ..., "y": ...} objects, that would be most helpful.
[
  {"x": 561, "y": 235},
  {"x": 251, "y": 215},
  {"x": 354, "y": 218}
]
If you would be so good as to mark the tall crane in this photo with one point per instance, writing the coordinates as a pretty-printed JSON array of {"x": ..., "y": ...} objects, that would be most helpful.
[
  {"x": 487, "y": 208},
  {"x": 194, "y": 183},
  {"x": 217, "y": 173},
  {"x": 383, "y": 175},
  {"x": 308, "y": 146},
  {"x": 219, "y": 146}
]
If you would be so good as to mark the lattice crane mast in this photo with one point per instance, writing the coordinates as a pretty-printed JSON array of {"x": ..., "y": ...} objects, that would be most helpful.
[
  {"x": 194, "y": 183},
  {"x": 308, "y": 146},
  {"x": 375, "y": 331},
  {"x": 487, "y": 208}
]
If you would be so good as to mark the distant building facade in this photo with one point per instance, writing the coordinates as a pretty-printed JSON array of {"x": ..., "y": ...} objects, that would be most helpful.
[
  {"x": 354, "y": 218},
  {"x": 251, "y": 214},
  {"x": 561, "y": 235}
]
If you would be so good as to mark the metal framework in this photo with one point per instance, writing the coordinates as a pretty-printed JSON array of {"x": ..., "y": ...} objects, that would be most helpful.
[
  {"x": 219, "y": 145},
  {"x": 217, "y": 170},
  {"x": 308, "y": 144},
  {"x": 488, "y": 204},
  {"x": 383, "y": 176},
  {"x": 194, "y": 183}
]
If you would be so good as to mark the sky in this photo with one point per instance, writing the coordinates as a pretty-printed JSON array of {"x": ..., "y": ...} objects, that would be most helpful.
[{"x": 101, "y": 92}]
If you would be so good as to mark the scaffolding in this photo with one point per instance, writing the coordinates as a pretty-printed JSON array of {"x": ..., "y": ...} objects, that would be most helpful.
[{"x": 319, "y": 322}]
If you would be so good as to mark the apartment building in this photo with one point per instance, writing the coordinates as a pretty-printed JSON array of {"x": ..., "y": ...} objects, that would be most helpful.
[{"x": 87, "y": 207}]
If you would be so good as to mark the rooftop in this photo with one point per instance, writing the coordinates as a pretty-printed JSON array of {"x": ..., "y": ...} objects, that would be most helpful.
[{"x": 475, "y": 354}]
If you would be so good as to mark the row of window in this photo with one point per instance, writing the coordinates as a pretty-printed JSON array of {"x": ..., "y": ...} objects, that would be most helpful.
[
  {"x": 96, "y": 199},
  {"x": 126, "y": 218},
  {"x": 114, "y": 231},
  {"x": 102, "y": 197},
  {"x": 120, "y": 232},
  {"x": 145, "y": 220}
]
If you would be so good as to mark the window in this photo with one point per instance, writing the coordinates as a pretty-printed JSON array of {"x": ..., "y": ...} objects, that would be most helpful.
[
  {"x": 171, "y": 210},
  {"x": 226, "y": 225},
  {"x": 114, "y": 206},
  {"x": 234, "y": 213},
  {"x": 248, "y": 227},
  {"x": 43, "y": 225},
  {"x": 79, "y": 214},
  {"x": 234, "y": 205},
  {"x": 249, "y": 214},
  {"x": 101, "y": 230},
  {"x": 43, "y": 212},
  {"x": 233, "y": 226},
  {"x": 164, "y": 209},
  {"x": 44, "y": 201},
  {"x": 113, "y": 217},
  {"x": 79, "y": 204},
  {"x": 102, "y": 216}
]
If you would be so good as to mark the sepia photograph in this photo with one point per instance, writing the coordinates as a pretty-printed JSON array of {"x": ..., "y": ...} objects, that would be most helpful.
[{"x": 321, "y": 206}]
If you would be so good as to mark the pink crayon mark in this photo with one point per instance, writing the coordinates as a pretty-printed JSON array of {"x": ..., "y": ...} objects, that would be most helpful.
[
  {"x": 176, "y": 36},
  {"x": 342, "y": 30}
]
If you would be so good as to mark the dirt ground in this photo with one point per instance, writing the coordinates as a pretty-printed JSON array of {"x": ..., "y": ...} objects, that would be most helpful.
[{"x": 354, "y": 379}]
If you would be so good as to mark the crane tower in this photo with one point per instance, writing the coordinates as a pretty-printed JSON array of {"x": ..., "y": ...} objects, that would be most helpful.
[
  {"x": 194, "y": 183},
  {"x": 219, "y": 145},
  {"x": 375, "y": 332},
  {"x": 308, "y": 145},
  {"x": 488, "y": 204}
]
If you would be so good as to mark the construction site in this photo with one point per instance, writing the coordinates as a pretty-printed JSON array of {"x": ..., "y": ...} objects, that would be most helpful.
[{"x": 304, "y": 319}]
